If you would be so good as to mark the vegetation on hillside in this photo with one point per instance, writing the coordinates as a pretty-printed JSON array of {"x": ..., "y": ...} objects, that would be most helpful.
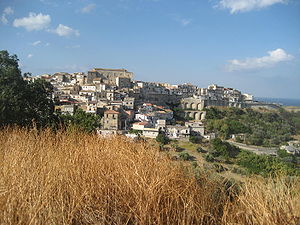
[
  {"x": 264, "y": 165},
  {"x": 78, "y": 178},
  {"x": 81, "y": 120},
  {"x": 260, "y": 128}
]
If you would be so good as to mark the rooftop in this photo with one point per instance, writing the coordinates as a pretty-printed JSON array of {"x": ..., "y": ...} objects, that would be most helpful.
[
  {"x": 111, "y": 112},
  {"x": 141, "y": 123},
  {"x": 108, "y": 69}
]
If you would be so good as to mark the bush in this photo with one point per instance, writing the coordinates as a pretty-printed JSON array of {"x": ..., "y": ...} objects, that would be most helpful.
[
  {"x": 265, "y": 165},
  {"x": 86, "y": 122},
  {"x": 195, "y": 139},
  {"x": 185, "y": 156},
  {"x": 282, "y": 153},
  {"x": 209, "y": 158},
  {"x": 162, "y": 138},
  {"x": 224, "y": 149},
  {"x": 201, "y": 150},
  {"x": 137, "y": 132}
]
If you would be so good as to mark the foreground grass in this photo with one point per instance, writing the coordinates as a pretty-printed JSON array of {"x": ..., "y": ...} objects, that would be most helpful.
[{"x": 69, "y": 178}]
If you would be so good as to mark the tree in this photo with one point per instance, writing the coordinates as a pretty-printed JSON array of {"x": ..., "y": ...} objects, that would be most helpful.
[
  {"x": 162, "y": 138},
  {"x": 195, "y": 139},
  {"x": 12, "y": 93},
  {"x": 40, "y": 103},
  {"x": 224, "y": 149},
  {"x": 23, "y": 103},
  {"x": 81, "y": 120}
]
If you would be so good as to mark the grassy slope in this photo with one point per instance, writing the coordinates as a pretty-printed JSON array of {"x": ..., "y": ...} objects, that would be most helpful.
[{"x": 48, "y": 178}]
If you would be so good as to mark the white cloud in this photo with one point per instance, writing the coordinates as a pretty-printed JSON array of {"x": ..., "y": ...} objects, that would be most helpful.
[
  {"x": 7, "y": 11},
  {"x": 47, "y": 44},
  {"x": 4, "y": 19},
  {"x": 29, "y": 56},
  {"x": 36, "y": 43},
  {"x": 63, "y": 30},
  {"x": 33, "y": 22},
  {"x": 246, "y": 5},
  {"x": 274, "y": 57},
  {"x": 88, "y": 8},
  {"x": 184, "y": 22}
]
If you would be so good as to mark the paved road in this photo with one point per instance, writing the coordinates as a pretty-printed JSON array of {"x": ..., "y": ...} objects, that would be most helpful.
[{"x": 256, "y": 149}]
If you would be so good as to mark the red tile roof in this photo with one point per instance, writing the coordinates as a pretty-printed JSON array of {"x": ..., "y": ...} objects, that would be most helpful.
[{"x": 111, "y": 112}]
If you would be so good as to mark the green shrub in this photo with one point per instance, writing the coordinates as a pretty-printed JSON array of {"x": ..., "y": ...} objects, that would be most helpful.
[
  {"x": 185, "y": 156},
  {"x": 162, "y": 138},
  {"x": 201, "y": 150},
  {"x": 265, "y": 165},
  {"x": 195, "y": 139},
  {"x": 209, "y": 158}
]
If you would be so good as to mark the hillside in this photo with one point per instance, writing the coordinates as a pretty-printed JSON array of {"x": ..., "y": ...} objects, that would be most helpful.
[{"x": 77, "y": 178}]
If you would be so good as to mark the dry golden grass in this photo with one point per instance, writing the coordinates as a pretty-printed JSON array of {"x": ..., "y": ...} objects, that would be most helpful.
[
  {"x": 265, "y": 202},
  {"x": 69, "y": 178}
]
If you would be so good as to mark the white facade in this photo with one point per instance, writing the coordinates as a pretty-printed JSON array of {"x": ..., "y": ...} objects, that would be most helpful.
[{"x": 88, "y": 87}]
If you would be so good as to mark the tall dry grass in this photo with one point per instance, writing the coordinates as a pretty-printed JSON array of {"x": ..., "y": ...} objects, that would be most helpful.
[{"x": 69, "y": 178}]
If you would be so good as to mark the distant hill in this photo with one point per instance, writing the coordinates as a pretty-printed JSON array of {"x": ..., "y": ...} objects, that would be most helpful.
[{"x": 283, "y": 101}]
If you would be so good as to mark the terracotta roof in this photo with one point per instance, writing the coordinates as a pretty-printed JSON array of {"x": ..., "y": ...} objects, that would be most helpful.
[
  {"x": 141, "y": 123},
  {"x": 111, "y": 112}
]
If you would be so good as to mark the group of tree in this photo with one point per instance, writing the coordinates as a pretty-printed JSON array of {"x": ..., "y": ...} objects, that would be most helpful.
[
  {"x": 251, "y": 163},
  {"x": 28, "y": 104},
  {"x": 259, "y": 128},
  {"x": 23, "y": 103},
  {"x": 266, "y": 165},
  {"x": 86, "y": 122}
]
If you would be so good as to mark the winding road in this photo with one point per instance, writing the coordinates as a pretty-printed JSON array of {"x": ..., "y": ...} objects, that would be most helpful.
[{"x": 256, "y": 149}]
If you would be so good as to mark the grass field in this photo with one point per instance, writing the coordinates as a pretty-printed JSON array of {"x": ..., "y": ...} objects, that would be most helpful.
[{"x": 76, "y": 178}]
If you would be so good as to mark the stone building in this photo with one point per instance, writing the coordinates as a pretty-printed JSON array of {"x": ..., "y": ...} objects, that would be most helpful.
[
  {"x": 176, "y": 132},
  {"x": 123, "y": 82},
  {"x": 111, "y": 120},
  {"x": 193, "y": 103},
  {"x": 109, "y": 76},
  {"x": 193, "y": 108}
]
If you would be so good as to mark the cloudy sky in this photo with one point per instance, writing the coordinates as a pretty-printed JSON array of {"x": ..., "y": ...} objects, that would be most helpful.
[{"x": 252, "y": 45}]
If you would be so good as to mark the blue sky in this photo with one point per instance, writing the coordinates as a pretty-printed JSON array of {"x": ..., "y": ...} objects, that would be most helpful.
[{"x": 251, "y": 45}]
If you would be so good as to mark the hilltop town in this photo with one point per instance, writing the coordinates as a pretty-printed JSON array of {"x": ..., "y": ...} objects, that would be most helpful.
[{"x": 127, "y": 105}]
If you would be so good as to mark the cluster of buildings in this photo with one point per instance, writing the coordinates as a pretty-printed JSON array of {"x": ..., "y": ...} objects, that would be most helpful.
[
  {"x": 147, "y": 107},
  {"x": 292, "y": 147}
]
